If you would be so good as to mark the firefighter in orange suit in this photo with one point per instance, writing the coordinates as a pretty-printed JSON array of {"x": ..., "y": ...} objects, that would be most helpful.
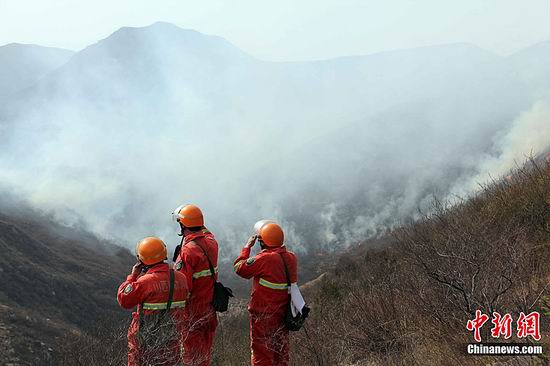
[
  {"x": 148, "y": 288},
  {"x": 192, "y": 257},
  {"x": 270, "y": 298}
]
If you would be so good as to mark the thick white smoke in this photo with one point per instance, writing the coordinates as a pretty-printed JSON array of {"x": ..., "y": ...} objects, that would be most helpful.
[
  {"x": 528, "y": 137},
  {"x": 336, "y": 150}
]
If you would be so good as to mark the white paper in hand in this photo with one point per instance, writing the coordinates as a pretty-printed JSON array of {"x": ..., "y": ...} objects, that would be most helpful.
[{"x": 297, "y": 302}]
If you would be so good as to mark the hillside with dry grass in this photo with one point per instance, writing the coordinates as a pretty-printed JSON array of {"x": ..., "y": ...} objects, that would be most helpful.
[
  {"x": 407, "y": 302},
  {"x": 56, "y": 282},
  {"x": 405, "y": 299}
]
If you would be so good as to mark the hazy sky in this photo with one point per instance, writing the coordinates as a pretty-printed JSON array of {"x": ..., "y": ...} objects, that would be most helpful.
[{"x": 288, "y": 29}]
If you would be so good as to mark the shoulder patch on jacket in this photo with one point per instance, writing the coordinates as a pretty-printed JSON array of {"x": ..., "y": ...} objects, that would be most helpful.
[
  {"x": 128, "y": 288},
  {"x": 179, "y": 266},
  {"x": 250, "y": 260}
]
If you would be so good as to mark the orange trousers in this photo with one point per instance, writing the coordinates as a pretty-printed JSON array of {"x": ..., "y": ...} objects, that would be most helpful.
[
  {"x": 199, "y": 338},
  {"x": 268, "y": 340}
]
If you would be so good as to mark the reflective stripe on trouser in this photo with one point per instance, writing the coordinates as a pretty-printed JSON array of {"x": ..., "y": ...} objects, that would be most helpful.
[
  {"x": 204, "y": 273},
  {"x": 162, "y": 305},
  {"x": 273, "y": 285}
]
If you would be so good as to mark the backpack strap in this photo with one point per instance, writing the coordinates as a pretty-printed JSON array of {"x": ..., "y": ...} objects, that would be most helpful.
[
  {"x": 286, "y": 271},
  {"x": 168, "y": 303},
  {"x": 207, "y": 258},
  {"x": 171, "y": 291}
]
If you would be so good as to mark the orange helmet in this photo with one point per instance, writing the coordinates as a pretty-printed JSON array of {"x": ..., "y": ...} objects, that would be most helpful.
[
  {"x": 151, "y": 250},
  {"x": 188, "y": 216},
  {"x": 271, "y": 234}
]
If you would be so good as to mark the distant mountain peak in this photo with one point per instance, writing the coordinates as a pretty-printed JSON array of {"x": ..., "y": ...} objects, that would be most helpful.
[
  {"x": 167, "y": 31},
  {"x": 446, "y": 47},
  {"x": 15, "y": 46},
  {"x": 23, "y": 65},
  {"x": 164, "y": 40},
  {"x": 167, "y": 25},
  {"x": 158, "y": 26},
  {"x": 541, "y": 48}
]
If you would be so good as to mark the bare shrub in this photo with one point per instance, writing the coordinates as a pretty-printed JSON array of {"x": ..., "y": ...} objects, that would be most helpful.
[{"x": 407, "y": 303}]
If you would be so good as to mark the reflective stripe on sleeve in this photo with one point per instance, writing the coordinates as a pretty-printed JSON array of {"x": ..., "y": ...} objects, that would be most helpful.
[
  {"x": 162, "y": 305},
  {"x": 272, "y": 285},
  {"x": 237, "y": 265},
  {"x": 204, "y": 273}
]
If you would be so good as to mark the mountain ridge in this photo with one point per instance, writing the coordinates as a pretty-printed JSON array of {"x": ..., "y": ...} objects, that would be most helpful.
[
  {"x": 23, "y": 65},
  {"x": 152, "y": 84},
  {"x": 56, "y": 281}
]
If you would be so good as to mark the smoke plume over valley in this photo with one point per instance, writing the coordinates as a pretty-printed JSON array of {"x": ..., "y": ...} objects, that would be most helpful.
[{"x": 119, "y": 134}]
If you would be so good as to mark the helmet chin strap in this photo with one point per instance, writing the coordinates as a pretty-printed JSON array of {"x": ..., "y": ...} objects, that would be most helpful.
[
  {"x": 145, "y": 268},
  {"x": 178, "y": 248}
]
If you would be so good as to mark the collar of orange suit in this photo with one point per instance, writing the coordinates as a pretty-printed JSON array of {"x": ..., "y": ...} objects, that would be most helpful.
[
  {"x": 196, "y": 235},
  {"x": 278, "y": 249},
  {"x": 160, "y": 267}
]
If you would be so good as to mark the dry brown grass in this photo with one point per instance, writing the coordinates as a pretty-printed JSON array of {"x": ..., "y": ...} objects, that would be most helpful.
[{"x": 407, "y": 302}]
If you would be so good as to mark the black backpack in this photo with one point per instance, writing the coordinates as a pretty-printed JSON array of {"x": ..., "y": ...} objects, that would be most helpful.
[
  {"x": 222, "y": 294},
  {"x": 293, "y": 323}
]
